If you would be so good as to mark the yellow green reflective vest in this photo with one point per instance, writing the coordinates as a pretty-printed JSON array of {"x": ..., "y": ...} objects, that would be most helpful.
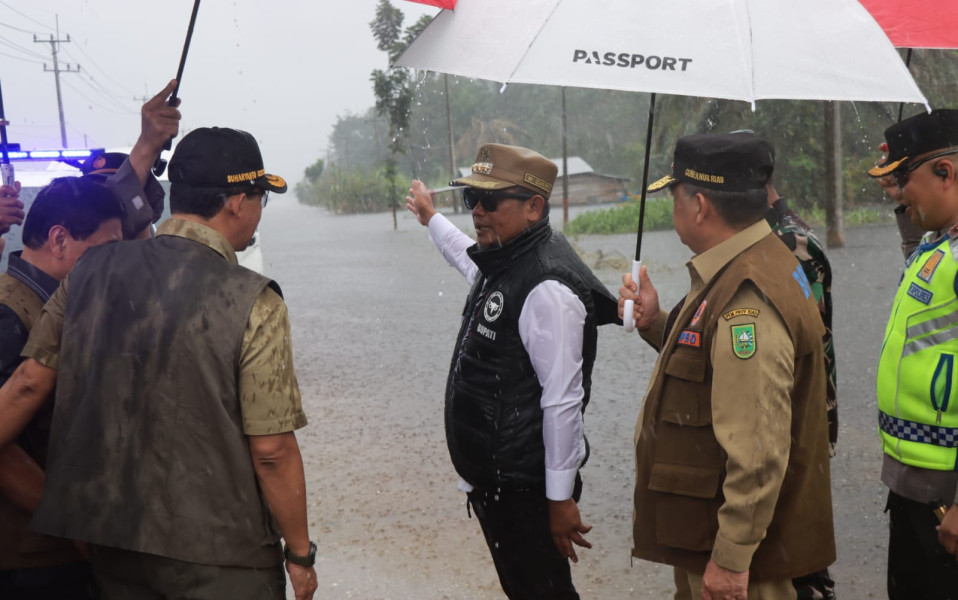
[{"x": 918, "y": 414}]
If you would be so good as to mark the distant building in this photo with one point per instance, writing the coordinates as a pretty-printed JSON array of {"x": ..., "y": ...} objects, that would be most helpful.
[{"x": 585, "y": 185}]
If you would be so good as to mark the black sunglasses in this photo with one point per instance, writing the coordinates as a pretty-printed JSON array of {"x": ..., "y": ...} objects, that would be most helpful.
[
  {"x": 901, "y": 177},
  {"x": 489, "y": 199}
]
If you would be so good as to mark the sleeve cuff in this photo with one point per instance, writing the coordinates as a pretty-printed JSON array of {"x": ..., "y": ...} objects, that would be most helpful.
[
  {"x": 45, "y": 357},
  {"x": 731, "y": 555},
  {"x": 653, "y": 334},
  {"x": 285, "y": 425},
  {"x": 438, "y": 227},
  {"x": 560, "y": 484}
]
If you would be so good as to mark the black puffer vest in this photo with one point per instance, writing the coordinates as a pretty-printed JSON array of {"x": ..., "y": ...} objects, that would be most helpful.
[{"x": 493, "y": 416}]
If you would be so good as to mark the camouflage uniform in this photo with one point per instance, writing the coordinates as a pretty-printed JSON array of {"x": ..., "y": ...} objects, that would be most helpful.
[{"x": 798, "y": 236}]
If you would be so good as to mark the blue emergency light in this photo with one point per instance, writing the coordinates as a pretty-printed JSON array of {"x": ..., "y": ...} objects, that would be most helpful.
[{"x": 66, "y": 154}]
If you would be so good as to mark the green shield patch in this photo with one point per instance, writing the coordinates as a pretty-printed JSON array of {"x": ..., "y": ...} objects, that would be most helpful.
[{"x": 743, "y": 340}]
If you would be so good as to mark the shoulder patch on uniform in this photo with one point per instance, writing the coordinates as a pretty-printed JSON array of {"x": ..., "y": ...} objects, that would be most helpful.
[
  {"x": 743, "y": 340},
  {"x": 930, "y": 266},
  {"x": 802, "y": 280},
  {"x": 690, "y": 338},
  {"x": 698, "y": 313},
  {"x": 740, "y": 312},
  {"x": 919, "y": 293}
]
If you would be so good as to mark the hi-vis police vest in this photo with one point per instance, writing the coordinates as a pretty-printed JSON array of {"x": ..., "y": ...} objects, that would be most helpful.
[{"x": 918, "y": 418}]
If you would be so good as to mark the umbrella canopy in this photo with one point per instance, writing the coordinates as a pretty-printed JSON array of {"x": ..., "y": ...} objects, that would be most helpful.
[
  {"x": 734, "y": 49},
  {"x": 450, "y": 4},
  {"x": 917, "y": 23}
]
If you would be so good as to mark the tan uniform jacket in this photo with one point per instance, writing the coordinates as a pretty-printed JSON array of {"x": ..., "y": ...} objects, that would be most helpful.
[{"x": 739, "y": 377}]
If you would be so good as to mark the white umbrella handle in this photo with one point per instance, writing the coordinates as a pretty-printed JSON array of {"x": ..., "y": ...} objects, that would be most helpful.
[{"x": 627, "y": 320}]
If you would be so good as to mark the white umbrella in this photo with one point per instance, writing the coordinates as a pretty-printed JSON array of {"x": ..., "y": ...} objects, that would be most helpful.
[{"x": 736, "y": 49}]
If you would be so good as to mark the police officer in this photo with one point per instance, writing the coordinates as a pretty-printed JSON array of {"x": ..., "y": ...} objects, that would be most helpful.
[
  {"x": 731, "y": 444},
  {"x": 521, "y": 370},
  {"x": 918, "y": 414}
]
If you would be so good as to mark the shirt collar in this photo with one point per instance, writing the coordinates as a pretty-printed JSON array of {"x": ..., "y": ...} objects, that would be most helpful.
[
  {"x": 199, "y": 233},
  {"x": 42, "y": 284},
  {"x": 708, "y": 264}
]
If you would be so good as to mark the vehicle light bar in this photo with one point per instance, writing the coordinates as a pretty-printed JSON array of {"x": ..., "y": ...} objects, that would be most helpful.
[{"x": 69, "y": 154}]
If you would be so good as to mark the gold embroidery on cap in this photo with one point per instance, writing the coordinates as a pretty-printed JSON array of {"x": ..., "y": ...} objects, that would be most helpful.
[
  {"x": 483, "y": 168},
  {"x": 480, "y": 184},
  {"x": 704, "y": 177},
  {"x": 540, "y": 183},
  {"x": 248, "y": 176}
]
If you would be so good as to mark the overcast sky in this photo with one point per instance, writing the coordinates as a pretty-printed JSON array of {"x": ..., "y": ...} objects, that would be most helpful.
[{"x": 282, "y": 70}]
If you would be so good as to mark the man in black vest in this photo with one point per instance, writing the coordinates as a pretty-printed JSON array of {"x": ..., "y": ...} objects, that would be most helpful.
[
  {"x": 521, "y": 369},
  {"x": 173, "y": 453}
]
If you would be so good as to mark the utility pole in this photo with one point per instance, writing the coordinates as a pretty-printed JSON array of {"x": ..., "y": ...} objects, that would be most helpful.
[{"x": 56, "y": 70}]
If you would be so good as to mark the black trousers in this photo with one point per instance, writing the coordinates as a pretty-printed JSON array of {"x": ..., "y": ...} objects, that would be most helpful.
[
  {"x": 516, "y": 528},
  {"x": 919, "y": 568},
  {"x": 74, "y": 581}
]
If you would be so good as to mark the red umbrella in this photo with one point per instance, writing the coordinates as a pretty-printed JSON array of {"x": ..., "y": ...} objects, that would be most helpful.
[
  {"x": 447, "y": 4},
  {"x": 917, "y": 23}
]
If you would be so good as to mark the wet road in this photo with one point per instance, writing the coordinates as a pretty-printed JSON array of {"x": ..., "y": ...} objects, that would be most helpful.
[{"x": 374, "y": 316}]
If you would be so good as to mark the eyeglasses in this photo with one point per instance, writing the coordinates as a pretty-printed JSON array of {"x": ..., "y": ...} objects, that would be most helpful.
[
  {"x": 489, "y": 199},
  {"x": 264, "y": 195},
  {"x": 901, "y": 177}
]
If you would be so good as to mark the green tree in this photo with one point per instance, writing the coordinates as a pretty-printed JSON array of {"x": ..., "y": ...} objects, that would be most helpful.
[{"x": 392, "y": 88}]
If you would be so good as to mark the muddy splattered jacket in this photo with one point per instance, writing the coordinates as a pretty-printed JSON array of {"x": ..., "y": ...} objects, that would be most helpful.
[
  {"x": 149, "y": 450},
  {"x": 493, "y": 414},
  {"x": 798, "y": 236},
  {"x": 685, "y": 478}
]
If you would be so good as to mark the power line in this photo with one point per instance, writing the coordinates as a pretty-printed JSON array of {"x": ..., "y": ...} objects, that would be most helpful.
[
  {"x": 95, "y": 103},
  {"x": 89, "y": 81},
  {"x": 15, "y": 46},
  {"x": 7, "y": 25},
  {"x": 79, "y": 46},
  {"x": 26, "y": 16},
  {"x": 36, "y": 62}
]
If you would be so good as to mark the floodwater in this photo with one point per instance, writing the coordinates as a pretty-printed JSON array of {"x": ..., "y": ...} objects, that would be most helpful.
[{"x": 374, "y": 315}]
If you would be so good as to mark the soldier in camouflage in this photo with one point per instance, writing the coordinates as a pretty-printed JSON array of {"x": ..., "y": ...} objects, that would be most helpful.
[{"x": 798, "y": 236}]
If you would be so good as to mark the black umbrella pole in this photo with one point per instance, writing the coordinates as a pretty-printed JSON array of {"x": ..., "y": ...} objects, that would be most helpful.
[
  {"x": 901, "y": 105},
  {"x": 627, "y": 310},
  {"x": 645, "y": 179}
]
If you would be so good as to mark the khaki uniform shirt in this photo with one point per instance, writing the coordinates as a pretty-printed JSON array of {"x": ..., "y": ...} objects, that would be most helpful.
[
  {"x": 269, "y": 394},
  {"x": 751, "y": 408}
]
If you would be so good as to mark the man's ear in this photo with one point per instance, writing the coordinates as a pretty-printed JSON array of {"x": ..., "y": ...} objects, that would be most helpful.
[
  {"x": 535, "y": 206},
  {"x": 702, "y": 207},
  {"x": 234, "y": 204},
  {"x": 57, "y": 240}
]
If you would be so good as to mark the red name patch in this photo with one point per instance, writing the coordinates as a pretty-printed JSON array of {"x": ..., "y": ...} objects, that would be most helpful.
[{"x": 690, "y": 338}]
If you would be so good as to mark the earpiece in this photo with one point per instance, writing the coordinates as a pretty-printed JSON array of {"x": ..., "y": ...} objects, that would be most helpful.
[{"x": 940, "y": 172}]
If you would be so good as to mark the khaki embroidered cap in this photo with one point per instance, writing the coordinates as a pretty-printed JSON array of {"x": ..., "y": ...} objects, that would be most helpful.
[{"x": 499, "y": 166}]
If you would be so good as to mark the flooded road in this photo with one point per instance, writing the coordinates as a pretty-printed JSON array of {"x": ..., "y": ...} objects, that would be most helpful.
[{"x": 374, "y": 315}]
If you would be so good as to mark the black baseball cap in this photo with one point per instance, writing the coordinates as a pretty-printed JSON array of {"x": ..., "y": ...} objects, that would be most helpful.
[
  {"x": 727, "y": 162},
  {"x": 103, "y": 164},
  {"x": 918, "y": 135},
  {"x": 220, "y": 157}
]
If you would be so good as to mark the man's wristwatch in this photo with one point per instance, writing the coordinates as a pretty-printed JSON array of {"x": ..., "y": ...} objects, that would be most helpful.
[{"x": 303, "y": 561}]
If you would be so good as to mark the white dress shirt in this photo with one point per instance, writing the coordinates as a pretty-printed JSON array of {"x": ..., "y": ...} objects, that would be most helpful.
[{"x": 551, "y": 326}]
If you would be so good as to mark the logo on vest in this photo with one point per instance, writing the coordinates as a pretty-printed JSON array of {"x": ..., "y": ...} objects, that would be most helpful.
[
  {"x": 920, "y": 294},
  {"x": 930, "y": 266},
  {"x": 493, "y": 307},
  {"x": 743, "y": 340}
]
